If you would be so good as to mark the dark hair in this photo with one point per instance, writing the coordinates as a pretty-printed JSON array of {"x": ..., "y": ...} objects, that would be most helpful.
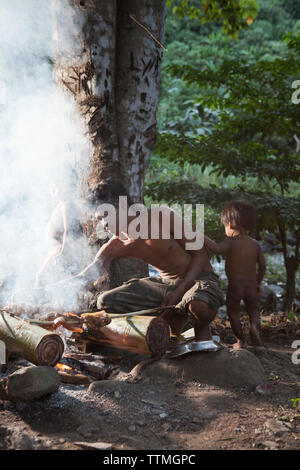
[{"x": 240, "y": 214}]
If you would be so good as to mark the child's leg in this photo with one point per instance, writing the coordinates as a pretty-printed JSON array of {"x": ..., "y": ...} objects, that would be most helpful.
[
  {"x": 252, "y": 310},
  {"x": 233, "y": 300}
]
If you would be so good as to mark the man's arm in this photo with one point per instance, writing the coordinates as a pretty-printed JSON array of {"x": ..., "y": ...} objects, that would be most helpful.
[
  {"x": 115, "y": 248},
  {"x": 198, "y": 263},
  {"x": 218, "y": 248}
]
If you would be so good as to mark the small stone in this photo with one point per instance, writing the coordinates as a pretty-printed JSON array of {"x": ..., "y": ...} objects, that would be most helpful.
[
  {"x": 21, "y": 441},
  {"x": 61, "y": 440},
  {"x": 132, "y": 428},
  {"x": 117, "y": 394},
  {"x": 277, "y": 427},
  {"x": 264, "y": 389},
  {"x": 297, "y": 332},
  {"x": 96, "y": 445},
  {"x": 156, "y": 411},
  {"x": 270, "y": 444},
  {"x": 163, "y": 415},
  {"x": 141, "y": 423}
]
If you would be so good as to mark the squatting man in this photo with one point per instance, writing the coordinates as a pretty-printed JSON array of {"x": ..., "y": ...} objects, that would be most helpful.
[{"x": 185, "y": 277}]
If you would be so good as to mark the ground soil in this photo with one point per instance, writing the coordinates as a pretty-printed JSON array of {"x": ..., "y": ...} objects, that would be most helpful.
[{"x": 165, "y": 414}]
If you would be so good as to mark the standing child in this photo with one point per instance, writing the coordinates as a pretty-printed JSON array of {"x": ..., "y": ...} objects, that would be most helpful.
[{"x": 242, "y": 254}]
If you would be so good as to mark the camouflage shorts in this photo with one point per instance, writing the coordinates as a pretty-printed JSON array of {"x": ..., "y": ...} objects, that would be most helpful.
[{"x": 149, "y": 292}]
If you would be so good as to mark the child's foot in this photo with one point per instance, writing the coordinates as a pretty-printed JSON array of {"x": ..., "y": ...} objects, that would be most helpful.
[{"x": 239, "y": 344}]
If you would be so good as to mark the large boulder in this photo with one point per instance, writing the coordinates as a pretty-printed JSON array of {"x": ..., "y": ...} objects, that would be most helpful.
[{"x": 227, "y": 368}]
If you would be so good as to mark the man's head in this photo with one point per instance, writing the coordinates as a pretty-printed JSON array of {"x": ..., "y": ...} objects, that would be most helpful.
[{"x": 239, "y": 215}]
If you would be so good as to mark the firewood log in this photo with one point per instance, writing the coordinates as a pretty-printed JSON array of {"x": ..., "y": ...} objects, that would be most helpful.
[{"x": 144, "y": 335}]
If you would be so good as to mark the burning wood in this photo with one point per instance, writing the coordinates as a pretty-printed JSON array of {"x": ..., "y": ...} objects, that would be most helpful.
[
  {"x": 81, "y": 371},
  {"x": 29, "y": 341}
]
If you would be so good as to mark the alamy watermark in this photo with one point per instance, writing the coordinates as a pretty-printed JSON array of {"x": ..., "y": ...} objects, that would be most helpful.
[
  {"x": 296, "y": 354},
  {"x": 2, "y": 353},
  {"x": 157, "y": 222},
  {"x": 296, "y": 94}
]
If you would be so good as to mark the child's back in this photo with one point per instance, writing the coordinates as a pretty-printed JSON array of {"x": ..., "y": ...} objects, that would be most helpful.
[
  {"x": 241, "y": 260},
  {"x": 242, "y": 255}
]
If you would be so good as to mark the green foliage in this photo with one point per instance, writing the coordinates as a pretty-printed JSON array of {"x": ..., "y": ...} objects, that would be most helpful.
[
  {"x": 226, "y": 117},
  {"x": 191, "y": 43},
  {"x": 273, "y": 210},
  {"x": 232, "y": 14},
  {"x": 256, "y": 120}
]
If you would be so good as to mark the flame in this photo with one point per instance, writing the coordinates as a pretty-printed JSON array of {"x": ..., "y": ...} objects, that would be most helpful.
[{"x": 63, "y": 367}]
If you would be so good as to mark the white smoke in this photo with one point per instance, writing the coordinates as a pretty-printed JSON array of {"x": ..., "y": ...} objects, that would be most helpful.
[{"x": 41, "y": 139}]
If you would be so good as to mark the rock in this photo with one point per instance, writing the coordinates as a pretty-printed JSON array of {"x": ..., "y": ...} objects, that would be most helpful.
[
  {"x": 278, "y": 290},
  {"x": 277, "y": 427},
  {"x": 267, "y": 299},
  {"x": 132, "y": 428},
  {"x": 270, "y": 444},
  {"x": 297, "y": 332},
  {"x": 21, "y": 441},
  {"x": 29, "y": 383},
  {"x": 222, "y": 312},
  {"x": 141, "y": 423},
  {"x": 227, "y": 368},
  {"x": 163, "y": 415}
]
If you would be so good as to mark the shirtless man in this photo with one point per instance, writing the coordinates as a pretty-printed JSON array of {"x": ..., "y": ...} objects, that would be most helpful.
[
  {"x": 186, "y": 278},
  {"x": 242, "y": 256}
]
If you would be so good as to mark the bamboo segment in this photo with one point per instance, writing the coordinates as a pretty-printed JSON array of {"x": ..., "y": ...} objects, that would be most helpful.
[
  {"x": 31, "y": 342},
  {"x": 144, "y": 335}
]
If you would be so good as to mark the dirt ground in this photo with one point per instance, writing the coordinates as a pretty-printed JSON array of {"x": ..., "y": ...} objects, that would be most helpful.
[{"x": 163, "y": 414}]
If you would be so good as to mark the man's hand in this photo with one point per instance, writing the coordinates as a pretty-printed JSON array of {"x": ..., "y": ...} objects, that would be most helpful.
[{"x": 172, "y": 298}]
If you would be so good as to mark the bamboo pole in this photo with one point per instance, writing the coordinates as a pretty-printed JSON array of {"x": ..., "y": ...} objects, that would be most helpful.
[{"x": 31, "y": 342}]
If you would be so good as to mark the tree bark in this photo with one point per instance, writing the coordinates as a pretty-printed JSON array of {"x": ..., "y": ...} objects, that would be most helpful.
[
  {"x": 138, "y": 71},
  {"x": 291, "y": 266},
  {"x": 111, "y": 66}
]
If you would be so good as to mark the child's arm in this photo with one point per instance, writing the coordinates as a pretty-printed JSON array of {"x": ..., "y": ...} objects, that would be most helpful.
[
  {"x": 217, "y": 248},
  {"x": 261, "y": 266}
]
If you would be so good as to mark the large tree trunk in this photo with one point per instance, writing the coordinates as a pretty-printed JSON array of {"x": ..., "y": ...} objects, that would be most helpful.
[
  {"x": 111, "y": 66},
  {"x": 291, "y": 266},
  {"x": 138, "y": 67}
]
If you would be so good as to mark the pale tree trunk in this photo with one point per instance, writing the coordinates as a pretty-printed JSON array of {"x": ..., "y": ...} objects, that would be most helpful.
[
  {"x": 138, "y": 67},
  {"x": 111, "y": 66}
]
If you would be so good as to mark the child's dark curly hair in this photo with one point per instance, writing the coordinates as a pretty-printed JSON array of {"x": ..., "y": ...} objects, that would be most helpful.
[{"x": 240, "y": 214}]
